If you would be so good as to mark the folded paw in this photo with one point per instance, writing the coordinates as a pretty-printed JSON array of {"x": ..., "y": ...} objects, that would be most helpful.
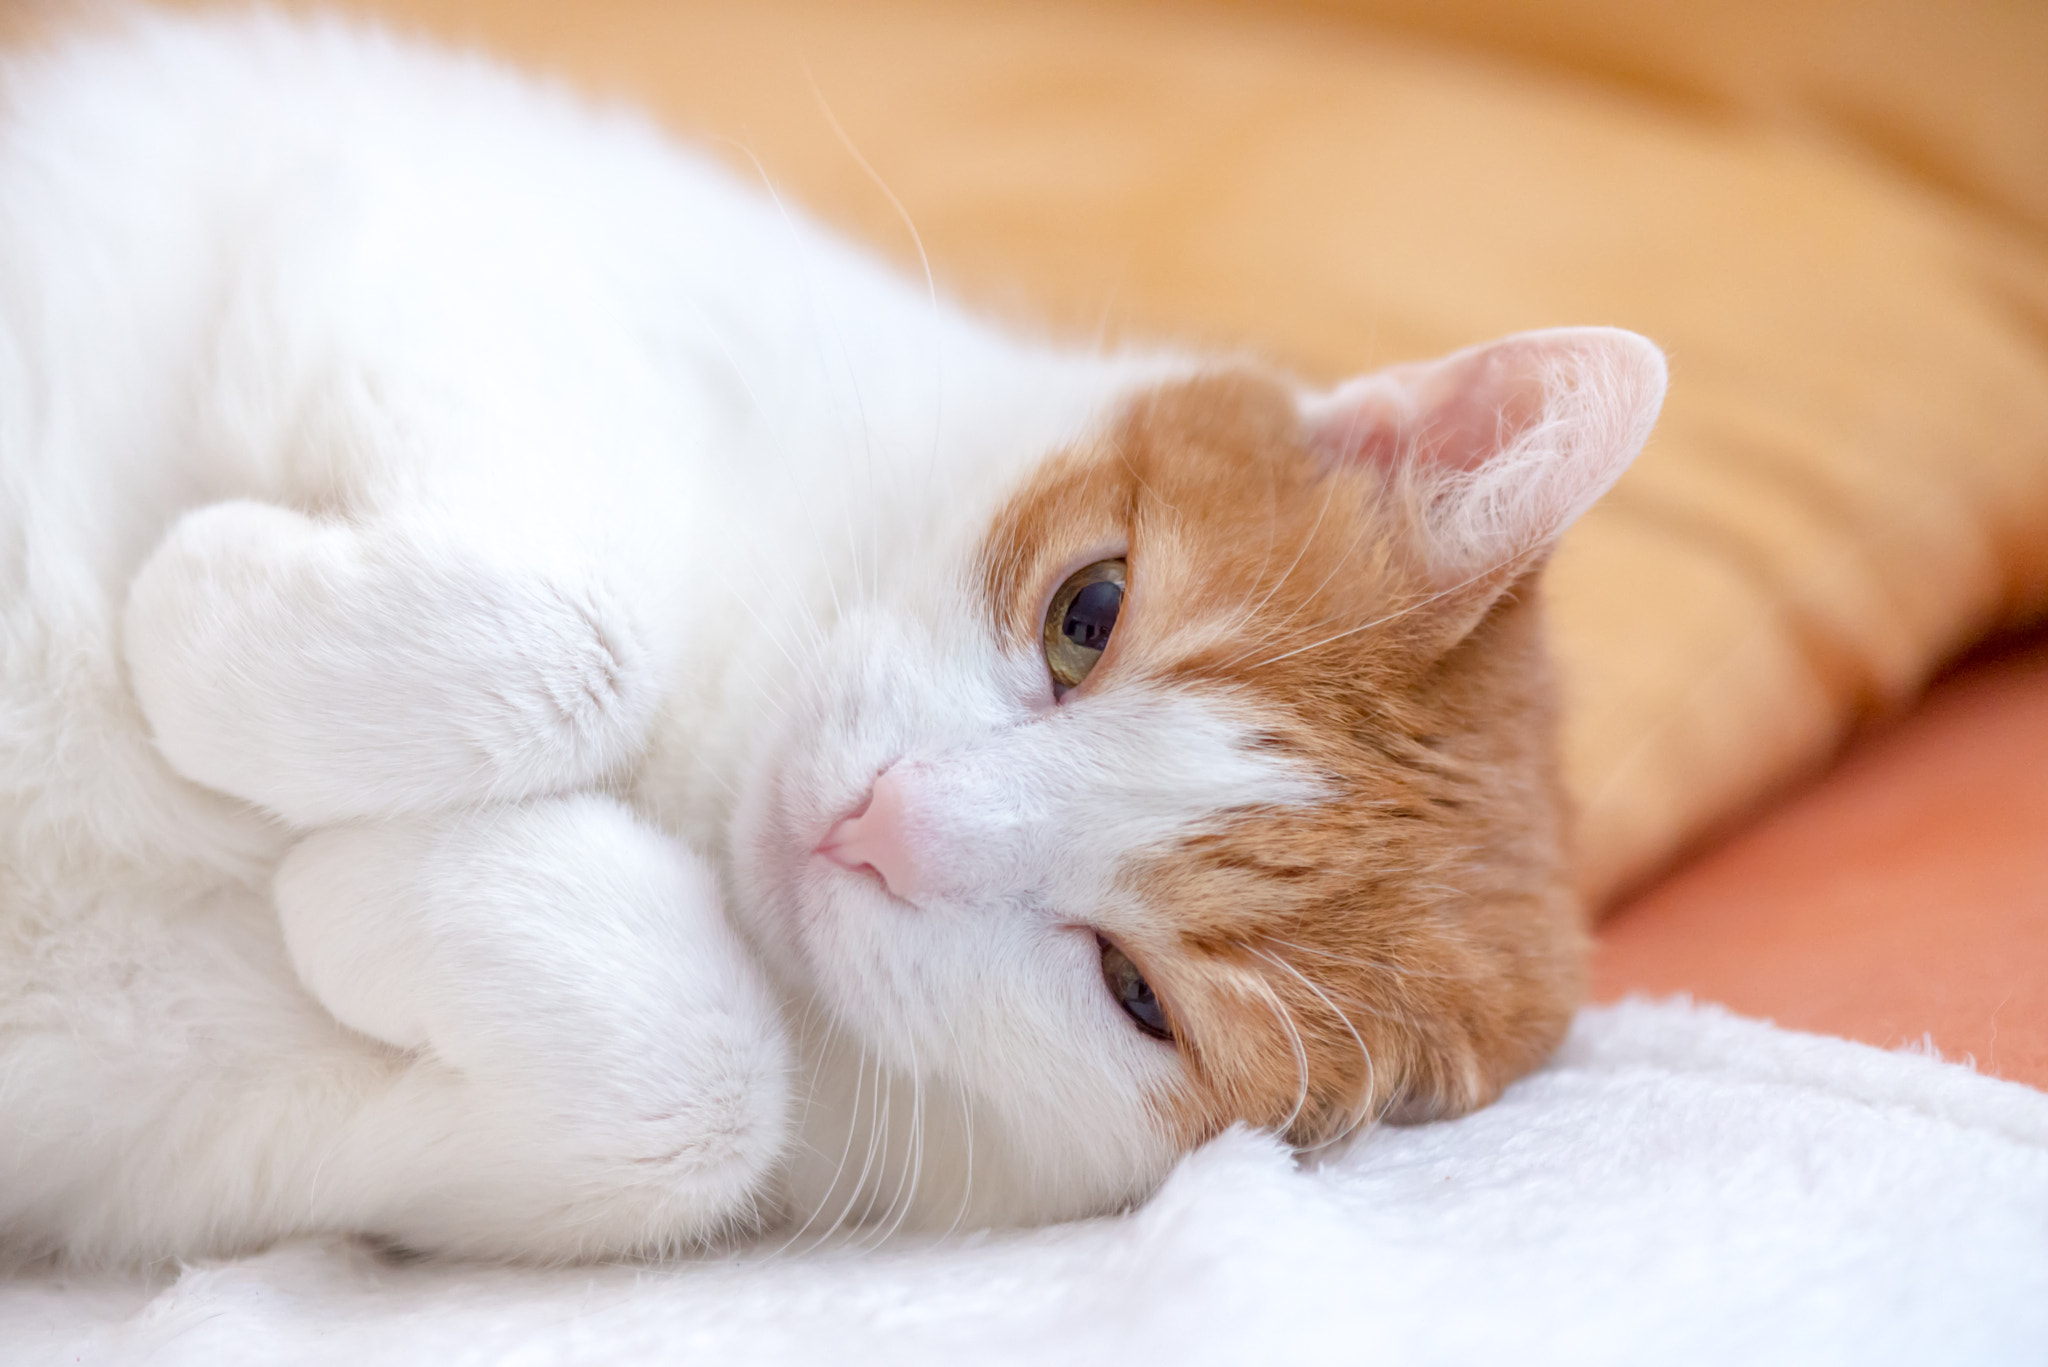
[
  {"x": 569, "y": 973},
  {"x": 328, "y": 672}
]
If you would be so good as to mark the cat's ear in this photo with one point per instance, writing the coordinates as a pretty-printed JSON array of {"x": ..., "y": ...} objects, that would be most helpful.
[{"x": 1490, "y": 453}]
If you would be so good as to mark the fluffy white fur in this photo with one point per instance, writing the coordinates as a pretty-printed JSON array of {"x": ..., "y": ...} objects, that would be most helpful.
[
  {"x": 458, "y": 554},
  {"x": 1678, "y": 1187}
]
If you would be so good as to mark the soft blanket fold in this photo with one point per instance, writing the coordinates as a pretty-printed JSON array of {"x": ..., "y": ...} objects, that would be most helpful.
[{"x": 1680, "y": 1185}]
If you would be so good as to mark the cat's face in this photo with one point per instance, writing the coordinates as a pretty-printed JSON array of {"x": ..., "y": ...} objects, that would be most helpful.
[{"x": 1214, "y": 781}]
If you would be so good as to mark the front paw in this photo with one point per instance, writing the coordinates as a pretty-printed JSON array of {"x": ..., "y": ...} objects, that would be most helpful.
[
  {"x": 329, "y": 673},
  {"x": 572, "y": 973}
]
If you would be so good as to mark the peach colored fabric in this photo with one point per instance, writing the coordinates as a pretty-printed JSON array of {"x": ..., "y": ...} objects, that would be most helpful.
[
  {"x": 1905, "y": 895},
  {"x": 1851, "y": 480},
  {"x": 1953, "y": 94}
]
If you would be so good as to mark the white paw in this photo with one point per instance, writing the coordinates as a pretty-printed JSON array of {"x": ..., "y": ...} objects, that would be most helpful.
[
  {"x": 328, "y": 673},
  {"x": 573, "y": 969}
]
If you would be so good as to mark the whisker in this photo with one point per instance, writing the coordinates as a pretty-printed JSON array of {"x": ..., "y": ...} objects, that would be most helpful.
[
  {"x": 906, "y": 1185},
  {"x": 967, "y": 1125},
  {"x": 1382, "y": 621},
  {"x": 1371, "y": 1074},
  {"x": 810, "y": 295},
  {"x": 878, "y": 1139},
  {"x": 1286, "y": 1019},
  {"x": 1118, "y": 447},
  {"x": 1378, "y": 965},
  {"x": 924, "y": 258},
  {"x": 845, "y": 1153},
  {"x": 1250, "y": 613},
  {"x": 1278, "y": 628}
]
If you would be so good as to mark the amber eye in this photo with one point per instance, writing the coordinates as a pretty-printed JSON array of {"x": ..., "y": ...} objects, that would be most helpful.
[
  {"x": 1130, "y": 990},
  {"x": 1078, "y": 624}
]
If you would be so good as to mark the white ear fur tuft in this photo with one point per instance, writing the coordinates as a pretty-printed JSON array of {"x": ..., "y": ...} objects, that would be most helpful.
[{"x": 1498, "y": 448}]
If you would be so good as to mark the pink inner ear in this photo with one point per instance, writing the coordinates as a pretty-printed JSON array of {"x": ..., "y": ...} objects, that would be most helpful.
[
  {"x": 1453, "y": 414},
  {"x": 1495, "y": 450}
]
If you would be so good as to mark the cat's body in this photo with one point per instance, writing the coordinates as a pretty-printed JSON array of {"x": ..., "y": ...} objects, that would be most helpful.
[{"x": 464, "y": 565}]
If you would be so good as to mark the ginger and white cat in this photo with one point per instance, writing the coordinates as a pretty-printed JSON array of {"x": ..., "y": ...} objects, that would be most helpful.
[{"x": 551, "y": 708}]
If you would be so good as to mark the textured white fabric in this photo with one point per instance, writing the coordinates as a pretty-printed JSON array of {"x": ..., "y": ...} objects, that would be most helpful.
[{"x": 1679, "y": 1186}]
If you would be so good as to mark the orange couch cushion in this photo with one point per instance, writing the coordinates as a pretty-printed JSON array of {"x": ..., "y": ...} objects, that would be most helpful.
[
  {"x": 1953, "y": 95},
  {"x": 1903, "y": 897}
]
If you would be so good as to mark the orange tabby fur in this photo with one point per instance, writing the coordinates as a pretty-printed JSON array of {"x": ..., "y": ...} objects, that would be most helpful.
[{"x": 1412, "y": 943}]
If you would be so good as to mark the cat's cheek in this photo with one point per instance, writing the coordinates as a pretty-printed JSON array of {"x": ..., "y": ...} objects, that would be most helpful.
[
  {"x": 781, "y": 892},
  {"x": 765, "y": 894}
]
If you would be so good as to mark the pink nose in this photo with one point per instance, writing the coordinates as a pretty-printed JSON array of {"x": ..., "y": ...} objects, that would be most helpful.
[{"x": 875, "y": 838}]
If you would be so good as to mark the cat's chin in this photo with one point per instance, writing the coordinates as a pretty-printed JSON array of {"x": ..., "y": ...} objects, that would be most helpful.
[{"x": 879, "y": 1150}]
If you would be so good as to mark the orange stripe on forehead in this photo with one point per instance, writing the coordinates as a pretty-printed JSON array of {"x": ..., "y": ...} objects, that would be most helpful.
[
  {"x": 1075, "y": 502},
  {"x": 1208, "y": 485}
]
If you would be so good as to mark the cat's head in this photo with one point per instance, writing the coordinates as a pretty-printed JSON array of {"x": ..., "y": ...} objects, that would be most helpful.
[{"x": 1213, "y": 781}]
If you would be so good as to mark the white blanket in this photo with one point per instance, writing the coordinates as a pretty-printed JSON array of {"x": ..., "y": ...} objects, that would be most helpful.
[{"x": 1679, "y": 1185}]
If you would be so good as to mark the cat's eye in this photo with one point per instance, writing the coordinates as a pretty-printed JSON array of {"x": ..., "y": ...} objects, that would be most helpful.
[
  {"x": 1128, "y": 988},
  {"x": 1078, "y": 624}
]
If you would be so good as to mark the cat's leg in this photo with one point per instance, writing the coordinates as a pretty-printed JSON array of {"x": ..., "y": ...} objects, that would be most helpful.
[
  {"x": 328, "y": 671},
  {"x": 477, "y": 502},
  {"x": 600, "y": 1065}
]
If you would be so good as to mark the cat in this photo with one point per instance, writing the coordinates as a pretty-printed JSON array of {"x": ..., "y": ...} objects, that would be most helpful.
[{"x": 551, "y": 708}]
